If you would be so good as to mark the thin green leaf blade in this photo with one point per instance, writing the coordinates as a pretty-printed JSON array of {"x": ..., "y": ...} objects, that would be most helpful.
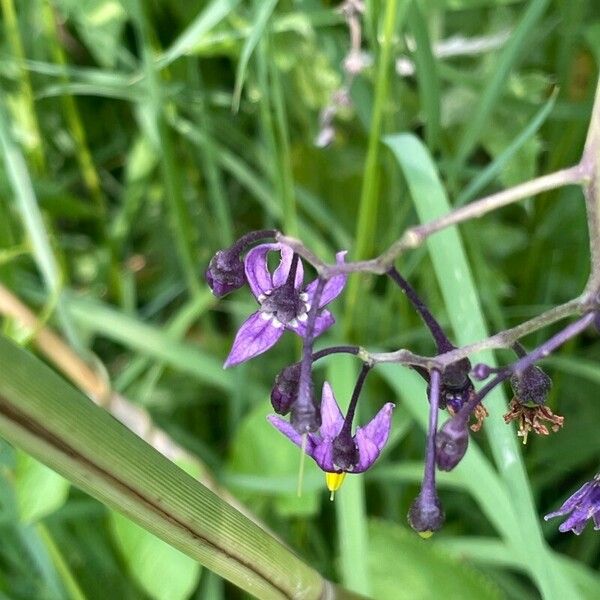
[{"x": 466, "y": 316}]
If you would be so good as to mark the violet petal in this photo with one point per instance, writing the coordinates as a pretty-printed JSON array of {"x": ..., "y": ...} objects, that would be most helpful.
[
  {"x": 284, "y": 427},
  {"x": 255, "y": 336},
  {"x": 257, "y": 272},
  {"x": 282, "y": 271},
  {"x": 323, "y": 321},
  {"x": 331, "y": 416},
  {"x": 333, "y": 287}
]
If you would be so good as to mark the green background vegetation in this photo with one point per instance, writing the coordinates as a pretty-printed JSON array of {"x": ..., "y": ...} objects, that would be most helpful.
[{"x": 138, "y": 170}]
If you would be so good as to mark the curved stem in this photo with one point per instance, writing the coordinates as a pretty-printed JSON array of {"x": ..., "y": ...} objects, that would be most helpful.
[
  {"x": 347, "y": 426},
  {"x": 440, "y": 337}
]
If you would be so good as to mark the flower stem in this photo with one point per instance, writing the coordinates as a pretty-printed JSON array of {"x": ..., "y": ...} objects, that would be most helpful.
[
  {"x": 347, "y": 426},
  {"x": 434, "y": 403},
  {"x": 441, "y": 339}
]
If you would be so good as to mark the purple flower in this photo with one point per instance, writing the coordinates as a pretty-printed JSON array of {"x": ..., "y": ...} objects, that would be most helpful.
[
  {"x": 583, "y": 505},
  {"x": 283, "y": 303},
  {"x": 369, "y": 440}
]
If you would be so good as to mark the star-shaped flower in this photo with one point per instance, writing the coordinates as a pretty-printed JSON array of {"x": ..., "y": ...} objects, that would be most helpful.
[
  {"x": 583, "y": 505},
  {"x": 369, "y": 440},
  {"x": 283, "y": 303}
]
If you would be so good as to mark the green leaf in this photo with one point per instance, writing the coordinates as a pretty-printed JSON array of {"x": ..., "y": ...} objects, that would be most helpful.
[
  {"x": 494, "y": 86},
  {"x": 460, "y": 296},
  {"x": 264, "y": 9},
  {"x": 405, "y": 567},
  {"x": 39, "y": 490},
  {"x": 211, "y": 16},
  {"x": 100, "y": 23},
  {"x": 150, "y": 560},
  {"x": 52, "y": 421}
]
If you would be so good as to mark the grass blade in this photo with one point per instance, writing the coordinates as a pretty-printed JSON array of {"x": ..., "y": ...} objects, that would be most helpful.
[
  {"x": 264, "y": 10},
  {"x": 492, "y": 89},
  {"x": 37, "y": 412},
  {"x": 460, "y": 295}
]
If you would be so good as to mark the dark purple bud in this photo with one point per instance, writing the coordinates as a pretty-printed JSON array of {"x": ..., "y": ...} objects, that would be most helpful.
[
  {"x": 451, "y": 443},
  {"x": 285, "y": 390},
  {"x": 426, "y": 514},
  {"x": 531, "y": 386},
  {"x": 225, "y": 272},
  {"x": 481, "y": 371},
  {"x": 345, "y": 452}
]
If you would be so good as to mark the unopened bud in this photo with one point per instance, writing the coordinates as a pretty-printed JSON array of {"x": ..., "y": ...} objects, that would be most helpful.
[
  {"x": 285, "y": 390},
  {"x": 451, "y": 443},
  {"x": 426, "y": 514},
  {"x": 225, "y": 273}
]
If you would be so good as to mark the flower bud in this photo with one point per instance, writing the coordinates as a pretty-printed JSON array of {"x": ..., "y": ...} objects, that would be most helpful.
[
  {"x": 451, "y": 443},
  {"x": 531, "y": 386},
  {"x": 481, "y": 371},
  {"x": 225, "y": 272},
  {"x": 426, "y": 514},
  {"x": 285, "y": 390}
]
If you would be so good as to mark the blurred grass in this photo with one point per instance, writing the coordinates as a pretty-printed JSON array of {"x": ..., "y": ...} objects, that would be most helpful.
[{"x": 124, "y": 168}]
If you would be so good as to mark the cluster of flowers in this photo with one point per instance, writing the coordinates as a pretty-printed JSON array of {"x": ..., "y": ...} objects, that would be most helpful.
[{"x": 320, "y": 428}]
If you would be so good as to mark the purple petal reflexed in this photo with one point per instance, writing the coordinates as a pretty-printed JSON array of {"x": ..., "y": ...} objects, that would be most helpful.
[
  {"x": 255, "y": 336},
  {"x": 257, "y": 272},
  {"x": 371, "y": 439},
  {"x": 331, "y": 416},
  {"x": 284, "y": 427},
  {"x": 571, "y": 503},
  {"x": 323, "y": 455},
  {"x": 583, "y": 506},
  {"x": 323, "y": 321},
  {"x": 333, "y": 287},
  {"x": 282, "y": 271}
]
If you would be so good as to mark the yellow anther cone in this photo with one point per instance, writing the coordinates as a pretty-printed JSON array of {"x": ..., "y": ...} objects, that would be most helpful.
[{"x": 334, "y": 482}]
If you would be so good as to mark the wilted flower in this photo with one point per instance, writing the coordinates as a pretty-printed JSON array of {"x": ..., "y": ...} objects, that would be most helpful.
[
  {"x": 324, "y": 445},
  {"x": 283, "y": 302},
  {"x": 583, "y": 505},
  {"x": 531, "y": 386},
  {"x": 528, "y": 406}
]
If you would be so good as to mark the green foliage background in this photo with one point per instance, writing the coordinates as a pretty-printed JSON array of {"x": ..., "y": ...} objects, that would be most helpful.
[{"x": 122, "y": 110}]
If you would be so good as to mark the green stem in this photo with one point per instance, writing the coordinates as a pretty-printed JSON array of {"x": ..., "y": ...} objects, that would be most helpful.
[
  {"x": 61, "y": 565},
  {"x": 161, "y": 137},
  {"x": 369, "y": 198},
  {"x": 102, "y": 457},
  {"x": 28, "y": 115}
]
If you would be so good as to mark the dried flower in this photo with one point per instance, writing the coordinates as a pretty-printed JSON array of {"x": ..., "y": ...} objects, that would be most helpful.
[
  {"x": 283, "y": 302},
  {"x": 531, "y": 387},
  {"x": 582, "y": 506}
]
